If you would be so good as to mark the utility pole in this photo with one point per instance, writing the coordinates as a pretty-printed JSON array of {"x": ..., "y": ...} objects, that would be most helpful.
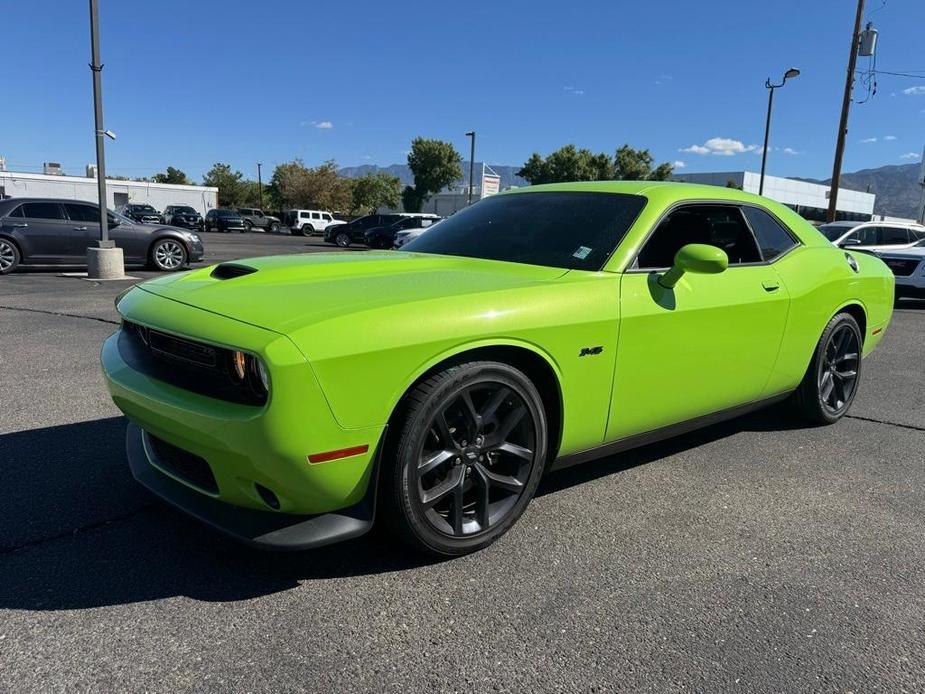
[
  {"x": 845, "y": 106},
  {"x": 259, "y": 186},
  {"x": 471, "y": 134},
  {"x": 105, "y": 260}
]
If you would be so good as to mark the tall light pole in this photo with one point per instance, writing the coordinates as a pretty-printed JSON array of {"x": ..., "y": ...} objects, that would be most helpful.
[
  {"x": 105, "y": 260},
  {"x": 259, "y": 186},
  {"x": 791, "y": 73},
  {"x": 845, "y": 106},
  {"x": 471, "y": 134}
]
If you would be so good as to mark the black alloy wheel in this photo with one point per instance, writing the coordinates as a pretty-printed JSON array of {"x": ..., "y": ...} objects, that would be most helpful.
[
  {"x": 470, "y": 457},
  {"x": 831, "y": 381},
  {"x": 342, "y": 239}
]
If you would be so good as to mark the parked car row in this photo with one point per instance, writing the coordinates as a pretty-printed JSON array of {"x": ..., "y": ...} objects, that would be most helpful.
[
  {"x": 377, "y": 230},
  {"x": 49, "y": 231}
]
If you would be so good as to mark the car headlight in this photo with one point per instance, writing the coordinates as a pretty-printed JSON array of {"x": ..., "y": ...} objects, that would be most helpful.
[
  {"x": 195, "y": 238},
  {"x": 248, "y": 370}
]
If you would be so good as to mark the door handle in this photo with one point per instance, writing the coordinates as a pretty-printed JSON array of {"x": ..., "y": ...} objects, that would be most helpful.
[
  {"x": 770, "y": 285},
  {"x": 20, "y": 225},
  {"x": 80, "y": 228}
]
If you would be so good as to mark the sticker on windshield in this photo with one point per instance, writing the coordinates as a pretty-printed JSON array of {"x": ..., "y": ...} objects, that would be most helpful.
[{"x": 582, "y": 252}]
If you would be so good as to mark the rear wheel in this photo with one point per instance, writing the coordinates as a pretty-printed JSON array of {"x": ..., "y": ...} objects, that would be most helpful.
[
  {"x": 248, "y": 225},
  {"x": 342, "y": 239},
  {"x": 831, "y": 381},
  {"x": 9, "y": 257},
  {"x": 468, "y": 460},
  {"x": 168, "y": 255},
  {"x": 274, "y": 227}
]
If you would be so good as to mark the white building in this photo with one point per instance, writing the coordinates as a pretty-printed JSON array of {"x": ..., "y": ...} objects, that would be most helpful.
[
  {"x": 158, "y": 195},
  {"x": 810, "y": 200}
]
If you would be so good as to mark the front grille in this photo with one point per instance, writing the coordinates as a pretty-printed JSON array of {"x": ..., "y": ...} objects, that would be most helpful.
[
  {"x": 902, "y": 267},
  {"x": 188, "y": 351},
  {"x": 188, "y": 364},
  {"x": 183, "y": 464}
]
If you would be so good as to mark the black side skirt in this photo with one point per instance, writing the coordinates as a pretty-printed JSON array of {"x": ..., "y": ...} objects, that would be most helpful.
[{"x": 667, "y": 432}]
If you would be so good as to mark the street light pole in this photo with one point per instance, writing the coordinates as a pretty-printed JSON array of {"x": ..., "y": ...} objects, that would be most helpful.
[
  {"x": 471, "y": 134},
  {"x": 259, "y": 186},
  {"x": 792, "y": 72},
  {"x": 97, "y": 70},
  {"x": 845, "y": 106},
  {"x": 105, "y": 260}
]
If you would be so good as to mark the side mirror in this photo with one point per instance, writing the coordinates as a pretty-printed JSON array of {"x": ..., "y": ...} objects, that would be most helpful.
[
  {"x": 695, "y": 257},
  {"x": 849, "y": 242}
]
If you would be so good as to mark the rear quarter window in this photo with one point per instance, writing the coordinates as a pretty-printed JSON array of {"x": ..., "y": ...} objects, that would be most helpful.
[{"x": 773, "y": 239}]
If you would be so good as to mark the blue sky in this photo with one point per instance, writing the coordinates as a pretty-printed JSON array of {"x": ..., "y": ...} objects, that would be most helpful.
[{"x": 195, "y": 82}]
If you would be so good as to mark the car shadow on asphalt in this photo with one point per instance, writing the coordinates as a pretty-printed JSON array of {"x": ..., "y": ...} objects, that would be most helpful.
[{"x": 78, "y": 532}]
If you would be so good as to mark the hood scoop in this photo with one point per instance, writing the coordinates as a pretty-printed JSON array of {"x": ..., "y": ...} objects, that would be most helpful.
[{"x": 227, "y": 271}]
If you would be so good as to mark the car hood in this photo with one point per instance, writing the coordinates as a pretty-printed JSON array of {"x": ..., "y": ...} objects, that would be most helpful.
[{"x": 286, "y": 293}]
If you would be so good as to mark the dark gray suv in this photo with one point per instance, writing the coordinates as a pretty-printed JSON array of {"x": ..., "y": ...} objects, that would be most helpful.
[{"x": 45, "y": 231}]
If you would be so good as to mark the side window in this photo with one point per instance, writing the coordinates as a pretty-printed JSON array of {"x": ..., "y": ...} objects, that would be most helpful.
[
  {"x": 16, "y": 213},
  {"x": 715, "y": 225},
  {"x": 773, "y": 239},
  {"x": 82, "y": 213},
  {"x": 327, "y": 218},
  {"x": 866, "y": 236},
  {"x": 42, "y": 210},
  {"x": 890, "y": 236},
  {"x": 315, "y": 215}
]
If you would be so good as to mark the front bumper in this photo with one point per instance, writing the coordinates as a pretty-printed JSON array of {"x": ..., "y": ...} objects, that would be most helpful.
[
  {"x": 246, "y": 447},
  {"x": 261, "y": 529}
]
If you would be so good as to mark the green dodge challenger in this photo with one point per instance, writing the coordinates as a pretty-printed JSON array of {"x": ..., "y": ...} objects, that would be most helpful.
[{"x": 288, "y": 401}]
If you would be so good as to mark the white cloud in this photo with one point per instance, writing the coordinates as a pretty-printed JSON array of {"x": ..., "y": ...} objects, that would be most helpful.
[
  {"x": 914, "y": 91},
  {"x": 909, "y": 155},
  {"x": 868, "y": 140},
  {"x": 678, "y": 164},
  {"x": 722, "y": 147},
  {"x": 790, "y": 150},
  {"x": 323, "y": 124},
  {"x": 889, "y": 138},
  {"x": 574, "y": 90}
]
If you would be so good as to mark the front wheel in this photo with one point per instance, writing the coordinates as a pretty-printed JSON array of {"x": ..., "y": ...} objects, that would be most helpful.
[
  {"x": 247, "y": 225},
  {"x": 168, "y": 255},
  {"x": 274, "y": 227},
  {"x": 9, "y": 257},
  {"x": 470, "y": 454},
  {"x": 831, "y": 381},
  {"x": 342, "y": 239}
]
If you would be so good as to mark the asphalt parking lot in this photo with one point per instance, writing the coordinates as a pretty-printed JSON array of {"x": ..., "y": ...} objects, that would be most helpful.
[{"x": 753, "y": 556}]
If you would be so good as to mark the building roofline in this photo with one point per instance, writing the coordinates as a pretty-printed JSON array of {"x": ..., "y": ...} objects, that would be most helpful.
[{"x": 109, "y": 181}]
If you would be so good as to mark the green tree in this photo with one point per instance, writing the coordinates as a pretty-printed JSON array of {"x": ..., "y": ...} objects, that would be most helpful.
[
  {"x": 569, "y": 163},
  {"x": 375, "y": 190},
  {"x": 228, "y": 182},
  {"x": 172, "y": 175},
  {"x": 435, "y": 165},
  {"x": 732, "y": 184},
  {"x": 636, "y": 165},
  {"x": 293, "y": 185}
]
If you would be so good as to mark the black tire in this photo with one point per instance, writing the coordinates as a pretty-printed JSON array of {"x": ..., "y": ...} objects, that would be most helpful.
[
  {"x": 274, "y": 227},
  {"x": 10, "y": 257},
  {"x": 831, "y": 381},
  {"x": 342, "y": 239},
  {"x": 492, "y": 451},
  {"x": 248, "y": 226},
  {"x": 168, "y": 255},
  {"x": 307, "y": 230}
]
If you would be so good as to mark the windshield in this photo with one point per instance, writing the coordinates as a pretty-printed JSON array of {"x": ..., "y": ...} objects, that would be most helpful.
[
  {"x": 184, "y": 210},
  {"x": 833, "y": 232},
  {"x": 144, "y": 208},
  {"x": 571, "y": 230},
  {"x": 226, "y": 213}
]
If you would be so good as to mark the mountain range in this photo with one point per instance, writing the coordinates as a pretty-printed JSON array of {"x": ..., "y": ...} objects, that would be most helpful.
[{"x": 896, "y": 187}]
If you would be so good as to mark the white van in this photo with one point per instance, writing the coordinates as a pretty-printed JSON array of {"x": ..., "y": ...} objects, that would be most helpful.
[{"x": 307, "y": 222}]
